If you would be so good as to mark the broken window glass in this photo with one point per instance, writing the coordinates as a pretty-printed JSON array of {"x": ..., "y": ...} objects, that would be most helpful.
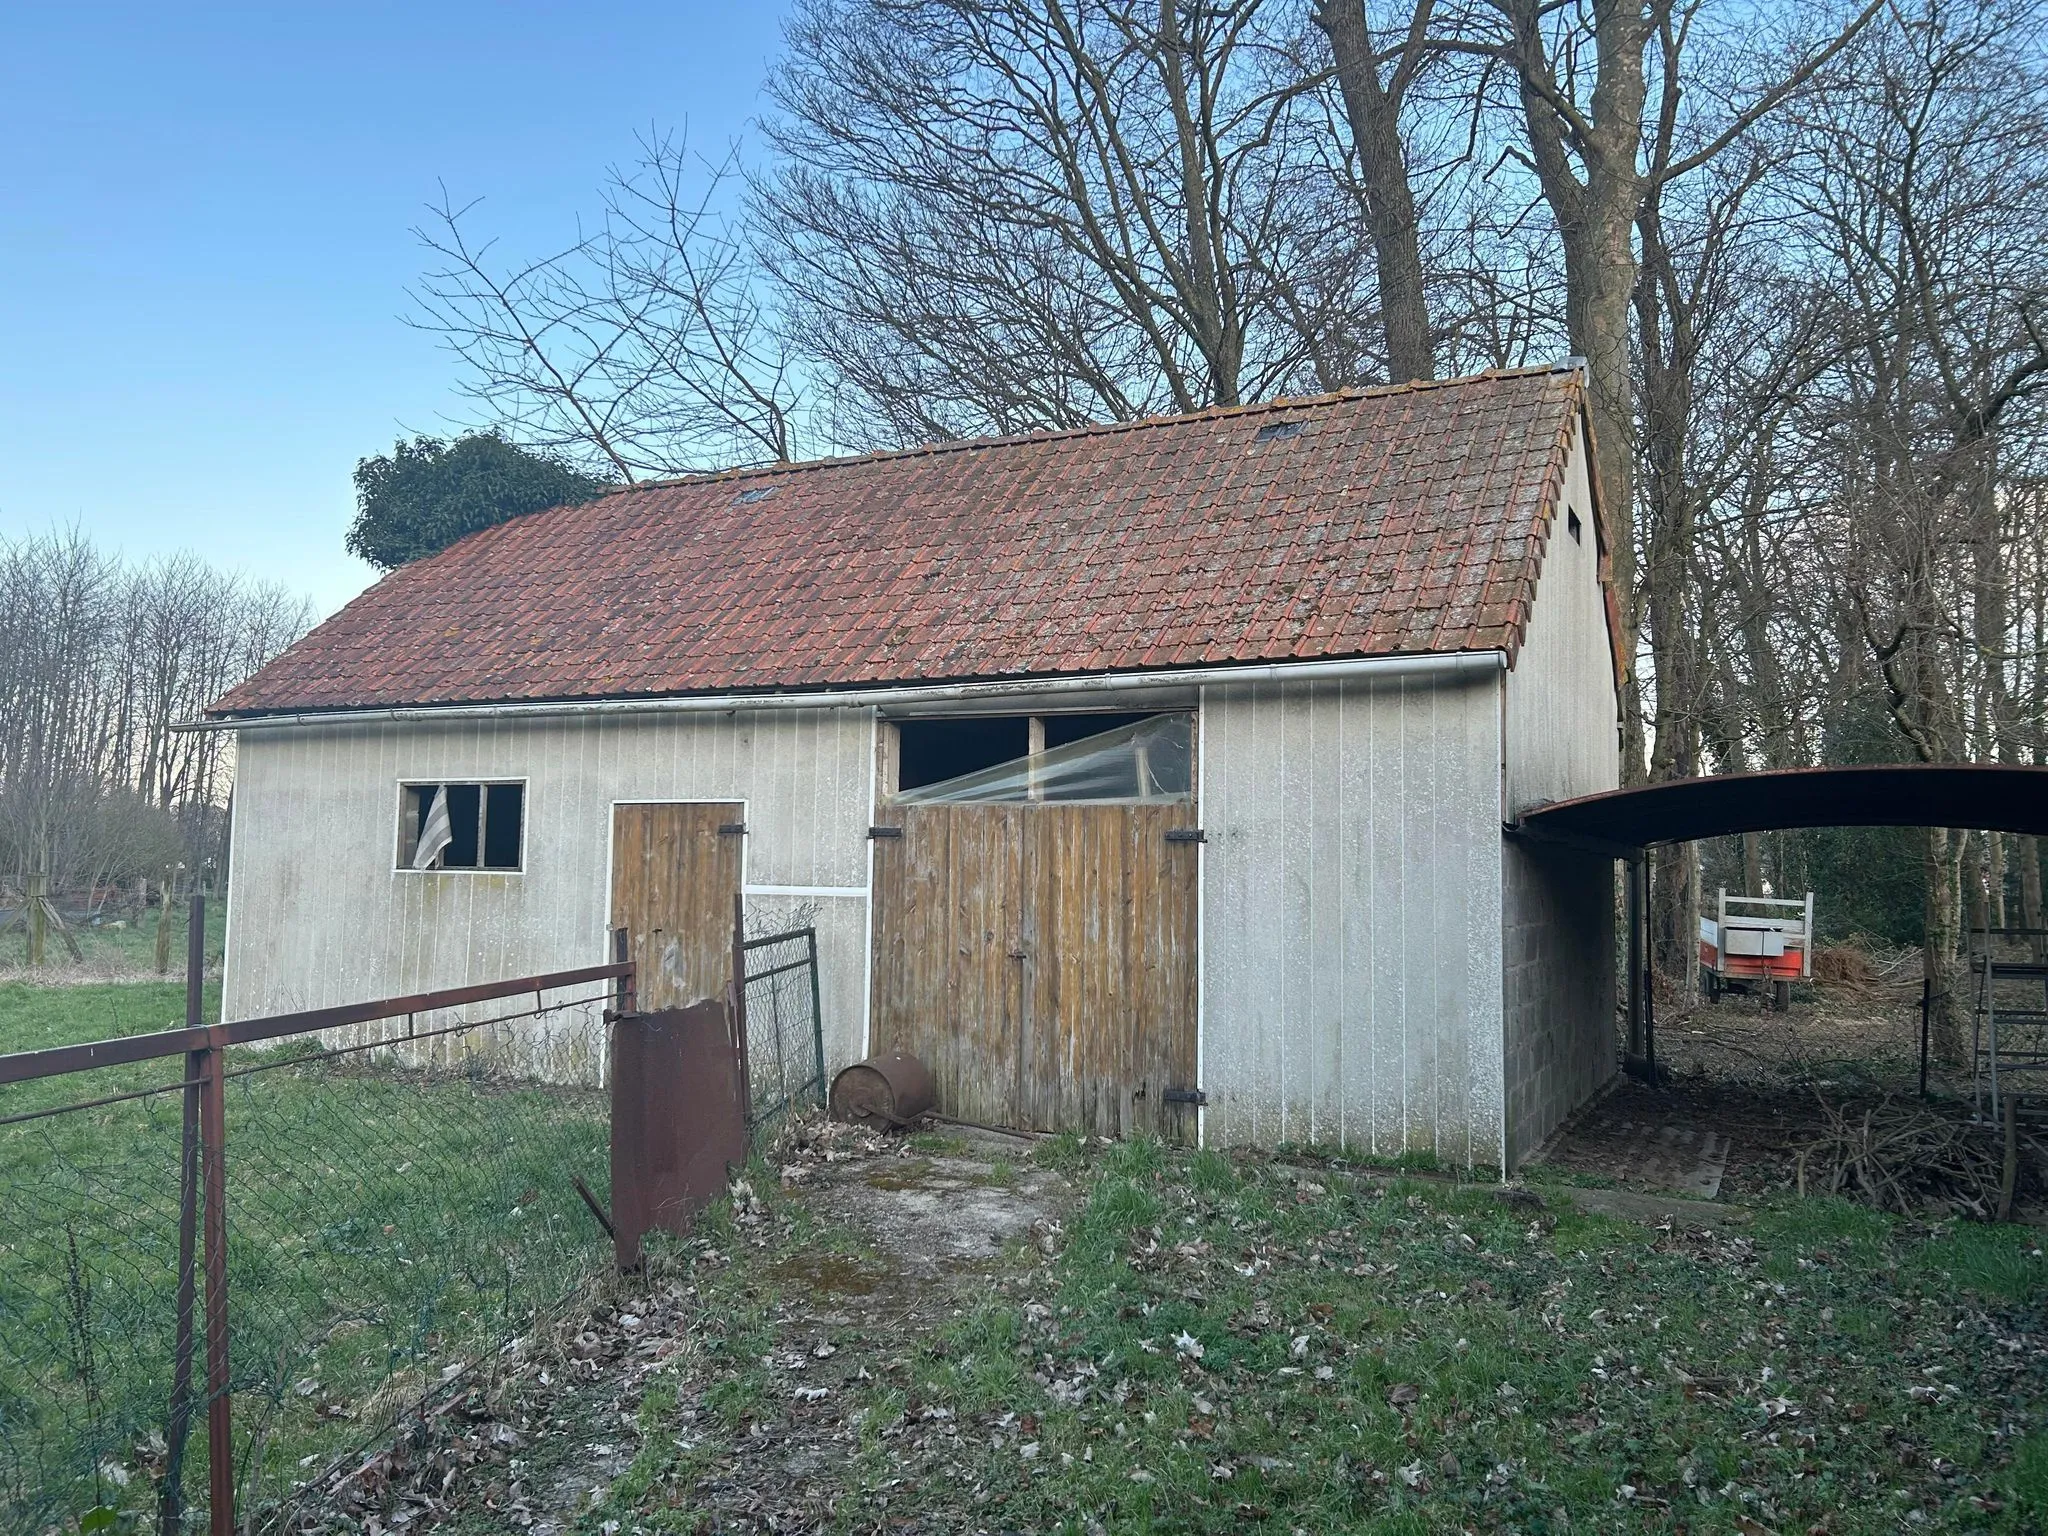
[{"x": 1149, "y": 760}]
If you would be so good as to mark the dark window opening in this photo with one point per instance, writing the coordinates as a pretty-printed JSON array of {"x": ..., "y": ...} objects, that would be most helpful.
[
  {"x": 504, "y": 814},
  {"x": 476, "y": 826},
  {"x": 1278, "y": 430},
  {"x": 930, "y": 751},
  {"x": 1571, "y": 521},
  {"x": 465, "y": 812},
  {"x": 1013, "y": 759}
]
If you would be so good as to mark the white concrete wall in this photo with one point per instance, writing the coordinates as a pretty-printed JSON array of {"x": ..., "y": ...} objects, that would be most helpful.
[
  {"x": 1558, "y": 912},
  {"x": 1351, "y": 961},
  {"x": 319, "y": 916}
]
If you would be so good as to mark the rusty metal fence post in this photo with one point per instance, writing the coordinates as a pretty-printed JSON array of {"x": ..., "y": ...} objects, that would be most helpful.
[
  {"x": 622, "y": 946},
  {"x": 171, "y": 1503},
  {"x": 206, "y": 1067},
  {"x": 213, "y": 1137}
]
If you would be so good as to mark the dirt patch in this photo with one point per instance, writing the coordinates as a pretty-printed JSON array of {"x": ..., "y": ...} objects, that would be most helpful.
[
  {"x": 1861, "y": 1035},
  {"x": 936, "y": 1215}
]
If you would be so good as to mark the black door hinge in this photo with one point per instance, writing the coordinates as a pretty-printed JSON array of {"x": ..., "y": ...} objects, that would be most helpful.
[
  {"x": 732, "y": 829},
  {"x": 1186, "y": 1096},
  {"x": 1186, "y": 835},
  {"x": 885, "y": 831}
]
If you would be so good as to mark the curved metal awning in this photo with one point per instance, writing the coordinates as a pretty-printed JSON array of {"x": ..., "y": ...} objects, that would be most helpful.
[{"x": 1980, "y": 796}]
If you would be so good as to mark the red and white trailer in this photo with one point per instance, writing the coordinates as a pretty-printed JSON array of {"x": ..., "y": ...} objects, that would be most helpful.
[{"x": 1754, "y": 940}]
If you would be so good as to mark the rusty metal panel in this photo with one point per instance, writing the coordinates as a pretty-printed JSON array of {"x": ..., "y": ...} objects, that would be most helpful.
[
  {"x": 675, "y": 879},
  {"x": 679, "y": 1121},
  {"x": 1041, "y": 960}
]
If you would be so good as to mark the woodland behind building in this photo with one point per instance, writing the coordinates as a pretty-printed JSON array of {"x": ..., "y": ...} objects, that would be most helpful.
[{"x": 98, "y": 661}]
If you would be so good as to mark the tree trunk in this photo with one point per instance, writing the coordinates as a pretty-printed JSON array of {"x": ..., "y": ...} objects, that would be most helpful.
[
  {"x": 1596, "y": 221},
  {"x": 2027, "y": 853},
  {"x": 1373, "y": 111},
  {"x": 1994, "y": 851},
  {"x": 1939, "y": 942},
  {"x": 1969, "y": 856}
]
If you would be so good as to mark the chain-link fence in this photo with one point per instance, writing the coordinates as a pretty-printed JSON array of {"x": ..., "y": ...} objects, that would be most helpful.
[
  {"x": 784, "y": 1031},
  {"x": 90, "y": 1228},
  {"x": 316, "y": 1224}
]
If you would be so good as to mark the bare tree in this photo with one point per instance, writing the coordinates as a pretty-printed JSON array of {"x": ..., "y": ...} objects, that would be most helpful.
[
  {"x": 643, "y": 347},
  {"x": 97, "y": 662},
  {"x": 995, "y": 217},
  {"x": 1608, "y": 124},
  {"x": 1920, "y": 189},
  {"x": 1374, "y": 72}
]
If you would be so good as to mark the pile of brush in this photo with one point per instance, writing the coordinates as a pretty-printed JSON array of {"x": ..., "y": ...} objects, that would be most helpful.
[{"x": 1913, "y": 1158}]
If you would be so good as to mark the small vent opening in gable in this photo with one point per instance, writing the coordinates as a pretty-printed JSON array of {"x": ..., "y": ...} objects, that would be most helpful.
[
  {"x": 757, "y": 493},
  {"x": 1275, "y": 431},
  {"x": 1571, "y": 521}
]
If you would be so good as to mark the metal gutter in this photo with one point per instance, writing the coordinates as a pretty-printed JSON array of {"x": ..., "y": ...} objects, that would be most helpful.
[{"x": 1442, "y": 665}]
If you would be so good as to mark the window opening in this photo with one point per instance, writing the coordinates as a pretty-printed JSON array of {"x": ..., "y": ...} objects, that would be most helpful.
[
  {"x": 754, "y": 494},
  {"x": 1277, "y": 430},
  {"x": 1571, "y": 521},
  {"x": 931, "y": 751},
  {"x": 1148, "y": 758},
  {"x": 461, "y": 826}
]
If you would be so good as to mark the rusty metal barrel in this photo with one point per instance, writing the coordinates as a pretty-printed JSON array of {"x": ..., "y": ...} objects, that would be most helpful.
[{"x": 883, "y": 1092}]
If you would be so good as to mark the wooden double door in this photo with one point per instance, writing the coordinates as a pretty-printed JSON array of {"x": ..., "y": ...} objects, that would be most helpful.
[{"x": 1040, "y": 959}]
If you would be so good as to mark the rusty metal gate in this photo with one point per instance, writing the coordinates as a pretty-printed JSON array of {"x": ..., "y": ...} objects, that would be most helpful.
[{"x": 1040, "y": 958}]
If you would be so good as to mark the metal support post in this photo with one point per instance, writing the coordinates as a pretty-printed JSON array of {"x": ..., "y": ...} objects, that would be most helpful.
[
  {"x": 171, "y": 1499},
  {"x": 739, "y": 1005},
  {"x": 1634, "y": 897},
  {"x": 817, "y": 1018}
]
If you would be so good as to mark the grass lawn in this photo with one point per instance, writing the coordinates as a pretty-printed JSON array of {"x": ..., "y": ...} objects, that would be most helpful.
[
  {"x": 387, "y": 1231},
  {"x": 1232, "y": 1344}
]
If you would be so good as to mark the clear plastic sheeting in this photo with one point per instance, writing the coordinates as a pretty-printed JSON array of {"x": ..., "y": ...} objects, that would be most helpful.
[{"x": 1151, "y": 761}]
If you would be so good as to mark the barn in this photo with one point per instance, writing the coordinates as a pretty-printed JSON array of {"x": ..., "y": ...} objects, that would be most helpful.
[{"x": 1150, "y": 777}]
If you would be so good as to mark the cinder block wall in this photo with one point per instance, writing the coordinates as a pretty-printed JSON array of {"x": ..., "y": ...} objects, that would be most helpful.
[{"x": 1557, "y": 944}]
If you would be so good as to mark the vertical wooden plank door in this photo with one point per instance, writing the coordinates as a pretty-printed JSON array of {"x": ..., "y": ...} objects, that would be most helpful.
[
  {"x": 1040, "y": 959},
  {"x": 675, "y": 873}
]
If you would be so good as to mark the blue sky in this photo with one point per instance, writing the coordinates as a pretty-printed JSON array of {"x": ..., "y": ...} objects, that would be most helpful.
[{"x": 205, "y": 238}]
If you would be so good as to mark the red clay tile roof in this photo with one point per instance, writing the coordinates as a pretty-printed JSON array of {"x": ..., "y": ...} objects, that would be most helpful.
[{"x": 1401, "y": 520}]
